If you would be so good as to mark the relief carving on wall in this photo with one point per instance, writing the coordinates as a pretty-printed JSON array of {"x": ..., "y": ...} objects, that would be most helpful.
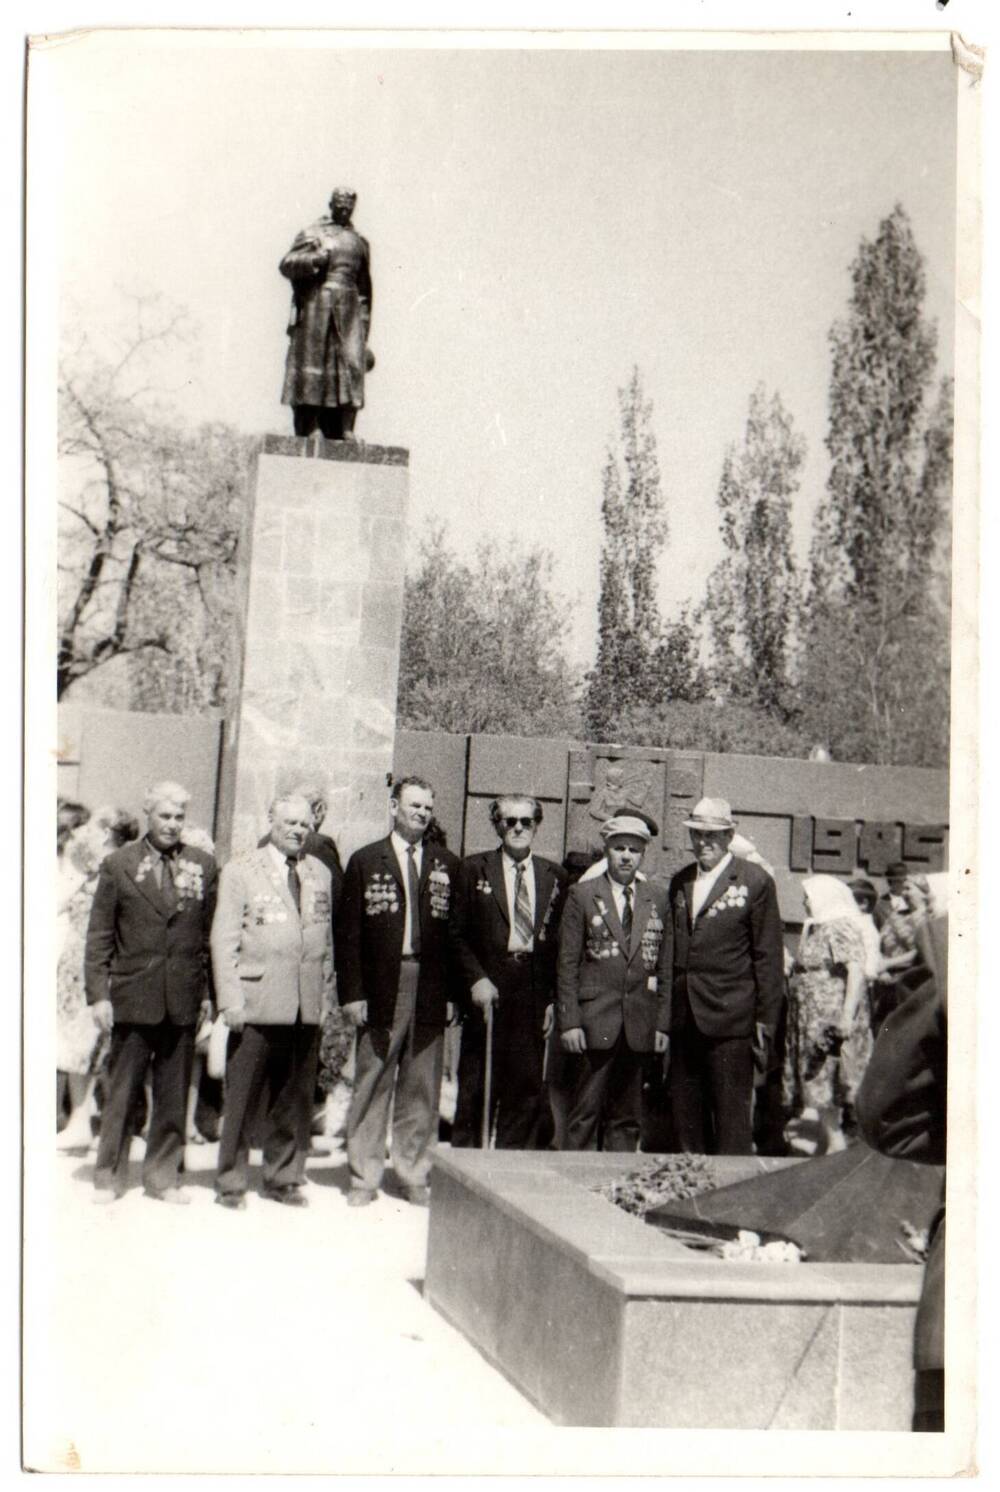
[{"x": 619, "y": 782}]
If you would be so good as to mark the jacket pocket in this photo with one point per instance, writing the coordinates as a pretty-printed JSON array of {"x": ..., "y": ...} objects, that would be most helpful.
[
  {"x": 127, "y": 968},
  {"x": 250, "y": 971}
]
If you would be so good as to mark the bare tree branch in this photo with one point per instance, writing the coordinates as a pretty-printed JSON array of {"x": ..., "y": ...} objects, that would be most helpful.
[{"x": 82, "y": 517}]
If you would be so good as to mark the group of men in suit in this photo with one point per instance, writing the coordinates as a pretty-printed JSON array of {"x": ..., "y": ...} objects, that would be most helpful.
[
  {"x": 693, "y": 972},
  {"x": 616, "y": 967}
]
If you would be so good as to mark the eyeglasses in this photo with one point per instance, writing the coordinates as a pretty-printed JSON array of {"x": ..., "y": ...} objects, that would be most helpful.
[{"x": 517, "y": 823}]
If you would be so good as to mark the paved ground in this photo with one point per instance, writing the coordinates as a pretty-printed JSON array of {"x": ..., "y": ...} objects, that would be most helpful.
[
  {"x": 192, "y": 1339},
  {"x": 198, "y": 1339}
]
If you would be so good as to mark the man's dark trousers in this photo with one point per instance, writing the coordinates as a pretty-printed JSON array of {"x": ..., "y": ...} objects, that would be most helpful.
[
  {"x": 711, "y": 1076},
  {"x": 518, "y": 1060},
  {"x": 277, "y": 1064},
  {"x": 608, "y": 1094},
  {"x": 170, "y": 1048}
]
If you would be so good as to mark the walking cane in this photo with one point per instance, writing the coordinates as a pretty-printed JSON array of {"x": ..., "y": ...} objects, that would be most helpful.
[{"x": 484, "y": 1136}]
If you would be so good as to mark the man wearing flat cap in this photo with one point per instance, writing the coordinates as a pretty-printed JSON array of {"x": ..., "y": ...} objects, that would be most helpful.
[
  {"x": 613, "y": 989},
  {"x": 728, "y": 985}
]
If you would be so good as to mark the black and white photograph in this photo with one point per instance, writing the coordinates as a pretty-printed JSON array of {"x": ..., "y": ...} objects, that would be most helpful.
[{"x": 502, "y": 518}]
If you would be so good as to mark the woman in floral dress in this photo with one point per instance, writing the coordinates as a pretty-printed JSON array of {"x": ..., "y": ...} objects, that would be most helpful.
[
  {"x": 829, "y": 1040},
  {"x": 80, "y": 1047}
]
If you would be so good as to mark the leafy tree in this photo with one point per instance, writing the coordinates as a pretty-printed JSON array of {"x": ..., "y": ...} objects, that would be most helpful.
[
  {"x": 641, "y": 662},
  {"x": 887, "y": 477},
  {"x": 875, "y": 682},
  {"x": 752, "y": 595},
  {"x": 879, "y": 694},
  {"x": 633, "y": 512},
  {"x": 149, "y": 515},
  {"x": 712, "y": 725},
  {"x": 483, "y": 645}
]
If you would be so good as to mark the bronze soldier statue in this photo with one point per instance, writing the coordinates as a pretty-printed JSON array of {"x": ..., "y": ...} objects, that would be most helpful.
[{"x": 328, "y": 356}]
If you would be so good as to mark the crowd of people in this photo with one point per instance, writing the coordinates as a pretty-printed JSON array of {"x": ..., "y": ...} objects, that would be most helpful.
[{"x": 598, "y": 1007}]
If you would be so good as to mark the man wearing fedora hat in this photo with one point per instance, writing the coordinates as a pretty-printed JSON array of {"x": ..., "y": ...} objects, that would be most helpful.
[
  {"x": 728, "y": 985},
  {"x": 613, "y": 989}
]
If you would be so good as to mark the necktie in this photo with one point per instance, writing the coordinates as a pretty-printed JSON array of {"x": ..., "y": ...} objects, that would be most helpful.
[
  {"x": 293, "y": 881},
  {"x": 414, "y": 880},
  {"x": 627, "y": 915},
  {"x": 522, "y": 908},
  {"x": 167, "y": 889}
]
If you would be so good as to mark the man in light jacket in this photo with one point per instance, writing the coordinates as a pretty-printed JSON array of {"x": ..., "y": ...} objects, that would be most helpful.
[{"x": 272, "y": 957}]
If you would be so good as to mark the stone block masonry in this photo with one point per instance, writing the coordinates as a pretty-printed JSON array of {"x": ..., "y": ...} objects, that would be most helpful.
[
  {"x": 601, "y": 1320},
  {"x": 320, "y": 598}
]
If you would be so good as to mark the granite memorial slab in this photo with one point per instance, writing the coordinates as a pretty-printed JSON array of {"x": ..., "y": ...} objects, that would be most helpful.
[{"x": 602, "y": 1320}]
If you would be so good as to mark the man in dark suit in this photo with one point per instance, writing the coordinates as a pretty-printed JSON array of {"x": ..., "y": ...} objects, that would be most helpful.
[
  {"x": 147, "y": 979},
  {"x": 614, "y": 989},
  {"x": 272, "y": 952},
  {"x": 728, "y": 986},
  {"x": 504, "y": 927},
  {"x": 393, "y": 966}
]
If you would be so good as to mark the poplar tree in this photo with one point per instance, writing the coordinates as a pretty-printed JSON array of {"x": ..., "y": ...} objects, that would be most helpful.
[
  {"x": 634, "y": 518},
  {"x": 752, "y": 595},
  {"x": 876, "y": 683}
]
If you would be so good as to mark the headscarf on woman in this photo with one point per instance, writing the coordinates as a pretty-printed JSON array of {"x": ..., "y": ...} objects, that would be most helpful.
[
  {"x": 829, "y": 900},
  {"x": 828, "y": 1035}
]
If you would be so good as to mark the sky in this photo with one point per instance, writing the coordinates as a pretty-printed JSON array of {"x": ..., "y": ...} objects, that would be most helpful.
[{"x": 539, "y": 221}]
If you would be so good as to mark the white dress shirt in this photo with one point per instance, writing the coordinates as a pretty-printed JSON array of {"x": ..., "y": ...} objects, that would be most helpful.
[
  {"x": 402, "y": 848},
  {"x": 514, "y": 943},
  {"x": 704, "y": 881},
  {"x": 618, "y": 894},
  {"x": 281, "y": 860}
]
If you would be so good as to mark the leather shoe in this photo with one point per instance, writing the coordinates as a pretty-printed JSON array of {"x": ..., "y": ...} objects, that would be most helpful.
[
  {"x": 174, "y": 1194},
  {"x": 288, "y": 1196},
  {"x": 419, "y": 1196},
  {"x": 235, "y": 1201},
  {"x": 360, "y": 1196}
]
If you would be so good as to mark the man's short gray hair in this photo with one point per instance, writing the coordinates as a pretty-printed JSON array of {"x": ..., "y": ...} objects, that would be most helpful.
[
  {"x": 165, "y": 792},
  {"x": 296, "y": 797},
  {"x": 496, "y": 807}
]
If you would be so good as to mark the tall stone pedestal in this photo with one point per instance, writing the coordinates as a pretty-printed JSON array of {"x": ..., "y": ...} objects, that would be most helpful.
[{"x": 319, "y": 609}]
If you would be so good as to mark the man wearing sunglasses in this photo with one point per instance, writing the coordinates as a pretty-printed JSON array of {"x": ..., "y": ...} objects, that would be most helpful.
[{"x": 507, "y": 910}]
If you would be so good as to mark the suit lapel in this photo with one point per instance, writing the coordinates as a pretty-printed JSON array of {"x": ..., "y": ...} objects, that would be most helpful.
[
  {"x": 687, "y": 892},
  {"x": 426, "y": 864},
  {"x": 146, "y": 882},
  {"x": 608, "y": 910},
  {"x": 640, "y": 915},
  {"x": 278, "y": 878},
  {"x": 307, "y": 880},
  {"x": 543, "y": 891},
  {"x": 392, "y": 864},
  {"x": 722, "y": 883},
  {"x": 494, "y": 874}
]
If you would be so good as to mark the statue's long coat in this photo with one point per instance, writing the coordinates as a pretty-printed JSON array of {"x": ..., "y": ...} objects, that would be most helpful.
[{"x": 328, "y": 326}]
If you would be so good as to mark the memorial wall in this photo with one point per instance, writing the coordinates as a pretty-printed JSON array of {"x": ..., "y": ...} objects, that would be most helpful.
[{"x": 835, "y": 817}]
